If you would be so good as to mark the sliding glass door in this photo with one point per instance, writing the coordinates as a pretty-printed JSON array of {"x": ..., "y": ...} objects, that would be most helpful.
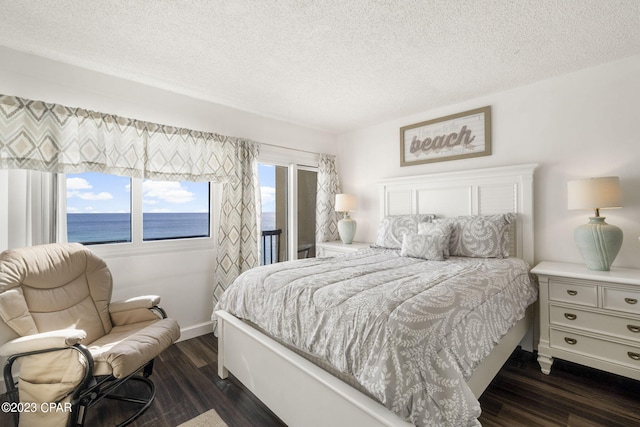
[
  {"x": 288, "y": 221},
  {"x": 307, "y": 181},
  {"x": 273, "y": 191}
]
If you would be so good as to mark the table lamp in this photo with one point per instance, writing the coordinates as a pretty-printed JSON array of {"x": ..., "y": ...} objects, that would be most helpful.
[
  {"x": 597, "y": 241},
  {"x": 346, "y": 226}
]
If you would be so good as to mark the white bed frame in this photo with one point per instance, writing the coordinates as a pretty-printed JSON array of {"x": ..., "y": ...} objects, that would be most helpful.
[{"x": 301, "y": 393}]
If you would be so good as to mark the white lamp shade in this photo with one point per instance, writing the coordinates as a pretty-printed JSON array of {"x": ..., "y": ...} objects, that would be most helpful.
[
  {"x": 595, "y": 193},
  {"x": 345, "y": 202}
]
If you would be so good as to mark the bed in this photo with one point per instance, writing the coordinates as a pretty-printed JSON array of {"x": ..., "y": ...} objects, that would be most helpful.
[{"x": 376, "y": 376}]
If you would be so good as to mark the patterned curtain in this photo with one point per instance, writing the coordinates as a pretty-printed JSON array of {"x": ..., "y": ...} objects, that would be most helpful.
[
  {"x": 328, "y": 187},
  {"x": 36, "y": 135},
  {"x": 238, "y": 237}
]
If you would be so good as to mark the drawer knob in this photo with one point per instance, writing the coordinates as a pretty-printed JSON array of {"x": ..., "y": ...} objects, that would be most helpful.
[
  {"x": 633, "y": 328},
  {"x": 570, "y": 316},
  {"x": 572, "y": 292},
  {"x": 631, "y": 300},
  {"x": 573, "y": 341},
  {"x": 634, "y": 356}
]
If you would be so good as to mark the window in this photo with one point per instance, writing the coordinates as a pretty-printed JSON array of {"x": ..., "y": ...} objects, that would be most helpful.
[
  {"x": 98, "y": 208},
  {"x": 108, "y": 209},
  {"x": 175, "y": 210}
]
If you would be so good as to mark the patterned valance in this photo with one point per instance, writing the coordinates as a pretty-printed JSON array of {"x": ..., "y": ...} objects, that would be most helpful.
[{"x": 55, "y": 138}]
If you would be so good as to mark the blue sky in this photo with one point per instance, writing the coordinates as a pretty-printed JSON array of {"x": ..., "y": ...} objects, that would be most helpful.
[
  {"x": 267, "y": 174},
  {"x": 99, "y": 193},
  {"x": 92, "y": 192}
]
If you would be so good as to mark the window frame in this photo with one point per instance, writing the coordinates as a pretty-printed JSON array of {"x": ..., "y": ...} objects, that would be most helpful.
[
  {"x": 138, "y": 246},
  {"x": 4, "y": 209}
]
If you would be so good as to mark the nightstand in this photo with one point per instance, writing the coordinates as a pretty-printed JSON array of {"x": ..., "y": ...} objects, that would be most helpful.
[
  {"x": 589, "y": 317},
  {"x": 335, "y": 248}
]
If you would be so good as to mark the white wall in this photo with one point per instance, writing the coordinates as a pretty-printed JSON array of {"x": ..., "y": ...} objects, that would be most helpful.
[
  {"x": 575, "y": 126},
  {"x": 38, "y": 78},
  {"x": 184, "y": 279}
]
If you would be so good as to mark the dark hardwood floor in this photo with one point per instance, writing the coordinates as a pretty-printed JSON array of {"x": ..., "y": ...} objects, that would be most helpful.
[
  {"x": 573, "y": 395},
  {"x": 187, "y": 385}
]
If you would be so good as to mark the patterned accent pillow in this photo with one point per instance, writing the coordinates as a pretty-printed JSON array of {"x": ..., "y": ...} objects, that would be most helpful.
[
  {"x": 437, "y": 227},
  {"x": 480, "y": 236},
  {"x": 431, "y": 245},
  {"x": 392, "y": 228}
]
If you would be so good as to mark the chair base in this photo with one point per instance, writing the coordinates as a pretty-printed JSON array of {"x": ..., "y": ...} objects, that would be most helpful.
[
  {"x": 145, "y": 403},
  {"x": 106, "y": 388},
  {"x": 91, "y": 391}
]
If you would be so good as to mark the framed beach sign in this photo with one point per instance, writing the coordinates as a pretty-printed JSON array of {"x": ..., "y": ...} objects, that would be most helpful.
[{"x": 458, "y": 136}]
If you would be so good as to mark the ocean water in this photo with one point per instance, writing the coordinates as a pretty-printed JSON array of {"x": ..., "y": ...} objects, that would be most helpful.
[
  {"x": 116, "y": 227},
  {"x": 99, "y": 228},
  {"x": 268, "y": 220}
]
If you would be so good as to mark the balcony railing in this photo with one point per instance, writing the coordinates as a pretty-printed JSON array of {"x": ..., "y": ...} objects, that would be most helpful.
[{"x": 270, "y": 246}]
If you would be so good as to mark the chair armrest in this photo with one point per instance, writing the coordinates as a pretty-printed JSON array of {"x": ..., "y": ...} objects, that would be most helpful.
[
  {"x": 134, "y": 310},
  {"x": 60, "y": 338},
  {"x": 147, "y": 301}
]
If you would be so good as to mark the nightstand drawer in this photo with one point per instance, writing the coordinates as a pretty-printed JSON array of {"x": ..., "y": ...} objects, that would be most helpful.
[
  {"x": 621, "y": 300},
  {"x": 595, "y": 322},
  {"x": 337, "y": 248},
  {"x": 620, "y": 354},
  {"x": 572, "y": 293},
  {"x": 589, "y": 317}
]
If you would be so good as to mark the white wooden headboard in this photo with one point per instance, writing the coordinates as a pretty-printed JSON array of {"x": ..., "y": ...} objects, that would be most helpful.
[{"x": 471, "y": 192}]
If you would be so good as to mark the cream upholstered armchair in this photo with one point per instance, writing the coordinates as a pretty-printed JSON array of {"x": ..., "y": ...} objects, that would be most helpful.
[{"x": 73, "y": 346}]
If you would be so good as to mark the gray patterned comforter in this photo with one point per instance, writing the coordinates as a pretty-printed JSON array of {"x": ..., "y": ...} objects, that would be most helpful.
[{"x": 409, "y": 331}]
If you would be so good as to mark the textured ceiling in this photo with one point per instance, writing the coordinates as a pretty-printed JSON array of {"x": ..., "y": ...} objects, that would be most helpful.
[{"x": 335, "y": 65}]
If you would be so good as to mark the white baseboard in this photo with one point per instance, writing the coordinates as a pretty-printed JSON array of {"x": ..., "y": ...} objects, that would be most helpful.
[{"x": 196, "y": 330}]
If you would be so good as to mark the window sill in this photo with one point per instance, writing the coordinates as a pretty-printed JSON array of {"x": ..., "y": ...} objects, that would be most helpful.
[{"x": 115, "y": 250}]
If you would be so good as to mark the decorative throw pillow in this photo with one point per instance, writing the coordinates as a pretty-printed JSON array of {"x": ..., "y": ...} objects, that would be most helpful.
[
  {"x": 480, "y": 236},
  {"x": 431, "y": 245},
  {"x": 392, "y": 228},
  {"x": 443, "y": 228}
]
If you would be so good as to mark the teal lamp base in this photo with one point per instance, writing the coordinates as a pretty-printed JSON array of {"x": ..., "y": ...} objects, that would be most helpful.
[
  {"x": 598, "y": 243},
  {"x": 347, "y": 229}
]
